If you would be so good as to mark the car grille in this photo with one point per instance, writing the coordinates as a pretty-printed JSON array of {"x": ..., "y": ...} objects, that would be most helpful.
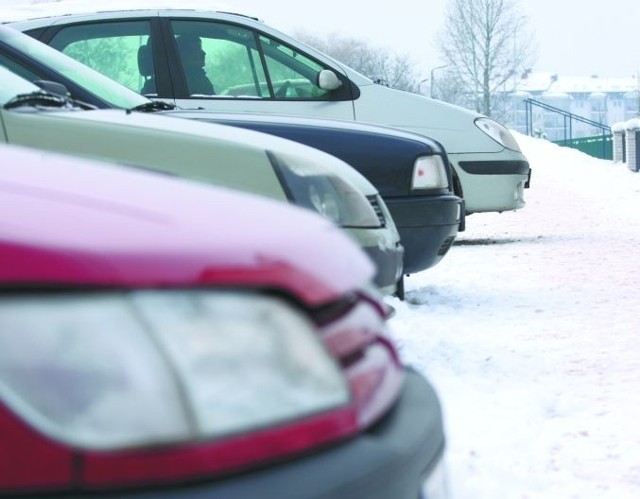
[
  {"x": 375, "y": 204},
  {"x": 444, "y": 247},
  {"x": 358, "y": 339}
]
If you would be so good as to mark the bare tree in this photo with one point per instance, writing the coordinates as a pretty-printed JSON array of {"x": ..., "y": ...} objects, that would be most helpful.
[
  {"x": 389, "y": 68},
  {"x": 448, "y": 87},
  {"x": 487, "y": 47}
]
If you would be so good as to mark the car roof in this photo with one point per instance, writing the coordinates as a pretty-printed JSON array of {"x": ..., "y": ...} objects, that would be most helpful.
[
  {"x": 71, "y": 222},
  {"x": 52, "y": 9},
  {"x": 34, "y": 16}
]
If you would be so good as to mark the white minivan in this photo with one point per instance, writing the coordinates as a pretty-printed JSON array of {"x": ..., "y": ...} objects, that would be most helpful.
[{"x": 202, "y": 58}]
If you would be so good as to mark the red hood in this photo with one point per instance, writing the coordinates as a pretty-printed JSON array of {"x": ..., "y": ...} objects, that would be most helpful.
[{"x": 72, "y": 222}]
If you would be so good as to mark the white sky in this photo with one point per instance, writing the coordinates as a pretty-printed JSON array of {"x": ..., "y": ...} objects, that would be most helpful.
[
  {"x": 574, "y": 37},
  {"x": 528, "y": 328}
]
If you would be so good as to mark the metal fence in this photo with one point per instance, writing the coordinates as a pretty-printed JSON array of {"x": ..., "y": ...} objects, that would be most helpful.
[{"x": 600, "y": 146}]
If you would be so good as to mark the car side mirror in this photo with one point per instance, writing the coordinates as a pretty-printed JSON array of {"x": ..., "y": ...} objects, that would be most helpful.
[
  {"x": 53, "y": 87},
  {"x": 327, "y": 80}
]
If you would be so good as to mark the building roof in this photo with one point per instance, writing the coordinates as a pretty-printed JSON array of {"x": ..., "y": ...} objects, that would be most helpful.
[{"x": 560, "y": 84}]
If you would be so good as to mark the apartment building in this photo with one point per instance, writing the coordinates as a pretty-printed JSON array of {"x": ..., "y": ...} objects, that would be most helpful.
[{"x": 601, "y": 100}]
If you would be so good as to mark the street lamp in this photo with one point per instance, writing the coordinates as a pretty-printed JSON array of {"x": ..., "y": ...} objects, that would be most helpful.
[
  {"x": 420, "y": 85},
  {"x": 433, "y": 71}
]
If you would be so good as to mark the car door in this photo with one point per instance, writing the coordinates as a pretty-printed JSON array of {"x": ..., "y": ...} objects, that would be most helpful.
[{"x": 249, "y": 70}]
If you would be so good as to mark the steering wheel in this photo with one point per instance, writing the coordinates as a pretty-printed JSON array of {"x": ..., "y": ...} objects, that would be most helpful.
[{"x": 282, "y": 91}]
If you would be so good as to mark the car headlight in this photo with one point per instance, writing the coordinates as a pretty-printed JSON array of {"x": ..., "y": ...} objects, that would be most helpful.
[
  {"x": 113, "y": 370},
  {"x": 429, "y": 172},
  {"x": 311, "y": 186},
  {"x": 498, "y": 132}
]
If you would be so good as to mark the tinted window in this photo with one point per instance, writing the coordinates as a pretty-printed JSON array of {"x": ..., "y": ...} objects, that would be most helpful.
[
  {"x": 112, "y": 49},
  {"x": 68, "y": 68},
  {"x": 234, "y": 66},
  {"x": 293, "y": 75}
]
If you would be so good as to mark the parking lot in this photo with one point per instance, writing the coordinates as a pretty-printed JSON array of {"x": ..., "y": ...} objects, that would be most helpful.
[{"x": 529, "y": 330}]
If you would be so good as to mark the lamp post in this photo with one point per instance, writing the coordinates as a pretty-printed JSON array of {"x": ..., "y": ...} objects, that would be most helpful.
[
  {"x": 432, "y": 72},
  {"x": 420, "y": 85}
]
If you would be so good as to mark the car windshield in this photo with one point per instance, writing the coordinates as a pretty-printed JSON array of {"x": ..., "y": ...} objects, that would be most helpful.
[
  {"x": 13, "y": 85},
  {"x": 106, "y": 89}
]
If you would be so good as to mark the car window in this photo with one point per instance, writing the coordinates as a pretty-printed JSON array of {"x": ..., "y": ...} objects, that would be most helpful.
[
  {"x": 293, "y": 75},
  {"x": 239, "y": 63},
  {"x": 13, "y": 85},
  {"x": 118, "y": 50}
]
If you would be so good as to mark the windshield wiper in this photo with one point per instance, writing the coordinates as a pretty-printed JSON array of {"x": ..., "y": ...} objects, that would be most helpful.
[
  {"x": 46, "y": 99},
  {"x": 37, "y": 98},
  {"x": 152, "y": 106}
]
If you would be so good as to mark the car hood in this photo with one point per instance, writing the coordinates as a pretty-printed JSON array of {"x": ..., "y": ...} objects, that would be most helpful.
[
  {"x": 83, "y": 224},
  {"x": 177, "y": 137},
  {"x": 453, "y": 126},
  {"x": 430, "y": 145}
]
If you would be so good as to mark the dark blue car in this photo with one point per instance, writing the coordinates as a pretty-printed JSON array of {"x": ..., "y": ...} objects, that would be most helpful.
[{"x": 410, "y": 171}]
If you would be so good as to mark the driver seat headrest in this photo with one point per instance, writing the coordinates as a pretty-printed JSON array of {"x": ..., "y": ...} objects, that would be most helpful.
[{"x": 145, "y": 61}]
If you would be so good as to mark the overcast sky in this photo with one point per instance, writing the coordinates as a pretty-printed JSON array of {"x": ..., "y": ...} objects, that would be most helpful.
[{"x": 574, "y": 37}]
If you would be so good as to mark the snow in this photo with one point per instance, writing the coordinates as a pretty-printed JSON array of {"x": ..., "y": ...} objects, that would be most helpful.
[
  {"x": 528, "y": 329},
  {"x": 632, "y": 124},
  {"x": 567, "y": 84}
]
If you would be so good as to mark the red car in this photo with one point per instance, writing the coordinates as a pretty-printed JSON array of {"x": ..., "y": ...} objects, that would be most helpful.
[{"x": 144, "y": 356}]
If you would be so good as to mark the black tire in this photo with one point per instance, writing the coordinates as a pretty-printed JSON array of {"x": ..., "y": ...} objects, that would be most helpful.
[{"x": 400, "y": 288}]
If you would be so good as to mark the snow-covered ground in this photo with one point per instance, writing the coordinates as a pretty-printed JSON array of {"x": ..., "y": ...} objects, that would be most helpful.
[{"x": 530, "y": 331}]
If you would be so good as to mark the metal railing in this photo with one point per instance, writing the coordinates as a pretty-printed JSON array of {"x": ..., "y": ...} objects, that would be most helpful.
[{"x": 598, "y": 145}]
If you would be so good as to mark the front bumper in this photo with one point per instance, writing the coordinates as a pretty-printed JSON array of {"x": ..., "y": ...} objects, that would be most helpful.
[
  {"x": 391, "y": 460},
  {"x": 492, "y": 182},
  {"x": 427, "y": 226},
  {"x": 389, "y": 264}
]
